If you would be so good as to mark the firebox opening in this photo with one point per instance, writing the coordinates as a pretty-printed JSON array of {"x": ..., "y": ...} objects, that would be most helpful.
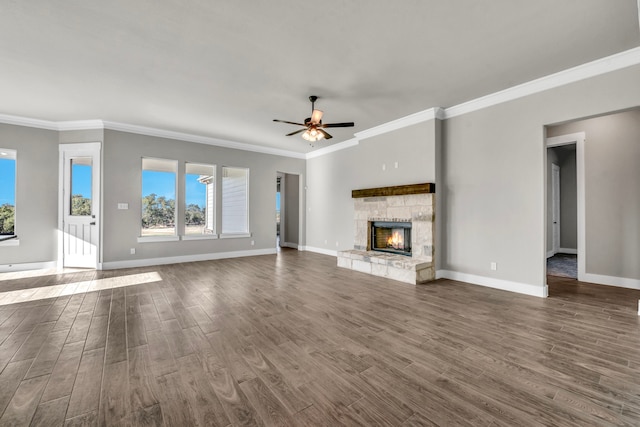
[{"x": 393, "y": 237}]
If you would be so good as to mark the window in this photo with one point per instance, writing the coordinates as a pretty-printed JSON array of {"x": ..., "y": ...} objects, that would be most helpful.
[
  {"x": 200, "y": 195},
  {"x": 158, "y": 197},
  {"x": 81, "y": 186},
  {"x": 235, "y": 201},
  {"x": 7, "y": 193}
]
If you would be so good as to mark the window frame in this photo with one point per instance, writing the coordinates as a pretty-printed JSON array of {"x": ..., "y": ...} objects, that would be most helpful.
[
  {"x": 247, "y": 232},
  {"x": 160, "y": 238},
  {"x": 12, "y": 239},
  {"x": 211, "y": 211}
]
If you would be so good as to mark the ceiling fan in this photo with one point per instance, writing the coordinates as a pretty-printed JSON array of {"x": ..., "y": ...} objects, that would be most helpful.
[{"x": 314, "y": 129}]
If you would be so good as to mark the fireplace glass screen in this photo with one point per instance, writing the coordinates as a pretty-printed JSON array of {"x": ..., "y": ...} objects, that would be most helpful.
[{"x": 394, "y": 237}]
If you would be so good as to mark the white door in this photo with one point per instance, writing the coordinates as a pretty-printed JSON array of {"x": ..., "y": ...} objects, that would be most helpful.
[
  {"x": 555, "y": 195},
  {"x": 80, "y": 165}
]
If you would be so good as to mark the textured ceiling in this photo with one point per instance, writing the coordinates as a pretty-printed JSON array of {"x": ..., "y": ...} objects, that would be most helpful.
[{"x": 225, "y": 69}]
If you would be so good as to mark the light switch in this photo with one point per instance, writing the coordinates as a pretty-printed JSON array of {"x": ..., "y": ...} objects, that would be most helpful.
[{"x": 123, "y": 205}]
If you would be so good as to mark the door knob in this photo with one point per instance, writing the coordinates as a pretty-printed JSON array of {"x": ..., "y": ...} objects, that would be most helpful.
[{"x": 92, "y": 223}]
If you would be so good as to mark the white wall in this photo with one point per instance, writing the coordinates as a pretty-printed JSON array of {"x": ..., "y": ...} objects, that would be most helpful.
[
  {"x": 333, "y": 176},
  {"x": 612, "y": 198},
  {"x": 122, "y": 184},
  {"x": 494, "y": 176},
  {"x": 36, "y": 194}
]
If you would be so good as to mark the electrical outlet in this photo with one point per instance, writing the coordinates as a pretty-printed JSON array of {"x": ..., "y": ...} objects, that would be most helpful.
[
  {"x": 384, "y": 166},
  {"x": 395, "y": 165},
  {"x": 337, "y": 244},
  {"x": 133, "y": 251},
  {"x": 253, "y": 242},
  {"x": 494, "y": 266},
  {"x": 325, "y": 241}
]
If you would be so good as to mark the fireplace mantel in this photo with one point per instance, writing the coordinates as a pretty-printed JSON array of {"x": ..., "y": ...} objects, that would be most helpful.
[{"x": 399, "y": 190}]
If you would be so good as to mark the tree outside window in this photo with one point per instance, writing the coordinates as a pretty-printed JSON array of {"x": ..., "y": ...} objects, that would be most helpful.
[
  {"x": 7, "y": 192},
  {"x": 158, "y": 197}
]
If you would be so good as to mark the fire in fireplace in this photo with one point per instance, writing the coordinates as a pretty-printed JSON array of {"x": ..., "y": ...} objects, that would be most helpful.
[{"x": 394, "y": 237}]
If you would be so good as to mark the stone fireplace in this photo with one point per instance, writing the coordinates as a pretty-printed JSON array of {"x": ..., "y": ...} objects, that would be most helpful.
[{"x": 394, "y": 229}]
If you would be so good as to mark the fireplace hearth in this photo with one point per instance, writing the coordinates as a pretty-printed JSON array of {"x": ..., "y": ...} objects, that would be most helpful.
[{"x": 392, "y": 237}]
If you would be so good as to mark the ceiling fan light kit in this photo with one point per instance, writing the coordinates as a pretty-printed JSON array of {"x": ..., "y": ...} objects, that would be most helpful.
[{"x": 313, "y": 127}]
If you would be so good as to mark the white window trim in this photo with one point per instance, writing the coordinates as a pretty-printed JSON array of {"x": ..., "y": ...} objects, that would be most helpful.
[
  {"x": 150, "y": 239},
  {"x": 14, "y": 241},
  {"x": 10, "y": 242},
  {"x": 213, "y": 235},
  {"x": 234, "y": 235},
  {"x": 171, "y": 238},
  {"x": 199, "y": 237},
  {"x": 224, "y": 235}
]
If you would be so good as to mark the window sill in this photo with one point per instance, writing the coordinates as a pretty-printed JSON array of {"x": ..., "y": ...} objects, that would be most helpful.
[
  {"x": 235, "y": 235},
  {"x": 199, "y": 237},
  {"x": 10, "y": 242},
  {"x": 149, "y": 239}
]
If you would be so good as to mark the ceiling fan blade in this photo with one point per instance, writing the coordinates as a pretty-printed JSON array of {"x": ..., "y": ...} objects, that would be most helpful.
[
  {"x": 297, "y": 131},
  {"x": 291, "y": 123},
  {"x": 316, "y": 116},
  {"x": 323, "y": 132},
  {"x": 338, "y": 125}
]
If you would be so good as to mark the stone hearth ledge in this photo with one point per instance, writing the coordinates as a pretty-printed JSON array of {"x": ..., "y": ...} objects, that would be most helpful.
[{"x": 397, "y": 267}]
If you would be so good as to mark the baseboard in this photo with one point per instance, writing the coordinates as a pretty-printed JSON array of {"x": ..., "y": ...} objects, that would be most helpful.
[
  {"x": 600, "y": 279},
  {"x": 550, "y": 254},
  {"x": 568, "y": 251},
  {"x": 184, "y": 258},
  {"x": 490, "y": 282},
  {"x": 289, "y": 245},
  {"x": 319, "y": 250},
  {"x": 5, "y": 268}
]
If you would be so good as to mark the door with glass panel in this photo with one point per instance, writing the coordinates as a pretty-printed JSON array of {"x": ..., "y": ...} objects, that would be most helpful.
[{"x": 80, "y": 204}]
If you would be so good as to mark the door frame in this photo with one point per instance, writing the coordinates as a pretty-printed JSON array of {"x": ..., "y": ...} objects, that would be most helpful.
[
  {"x": 281, "y": 175},
  {"x": 555, "y": 208},
  {"x": 80, "y": 149},
  {"x": 578, "y": 139}
]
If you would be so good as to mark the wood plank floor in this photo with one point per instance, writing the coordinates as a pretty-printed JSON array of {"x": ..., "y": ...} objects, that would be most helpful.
[{"x": 293, "y": 340}]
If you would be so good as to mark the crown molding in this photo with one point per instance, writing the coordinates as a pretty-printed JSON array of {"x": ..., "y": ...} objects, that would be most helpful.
[
  {"x": 412, "y": 119},
  {"x": 27, "y": 121},
  {"x": 80, "y": 125},
  {"x": 160, "y": 133},
  {"x": 335, "y": 147},
  {"x": 600, "y": 66}
]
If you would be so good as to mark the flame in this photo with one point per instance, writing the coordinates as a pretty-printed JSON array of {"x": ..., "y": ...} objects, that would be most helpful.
[{"x": 396, "y": 240}]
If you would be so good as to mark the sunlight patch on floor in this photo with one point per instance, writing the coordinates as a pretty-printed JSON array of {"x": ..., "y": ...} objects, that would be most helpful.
[
  {"x": 26, "y": 274},
  {"x": 44, "y": 292}
]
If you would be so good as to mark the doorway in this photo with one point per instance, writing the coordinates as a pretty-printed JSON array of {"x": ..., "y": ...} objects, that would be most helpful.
[
  {"x": 279, "y": 209},
  {"x": 565, "y": 206},
  {"x": 79, "y": 205},
  {"x": 287, "y": 210}
]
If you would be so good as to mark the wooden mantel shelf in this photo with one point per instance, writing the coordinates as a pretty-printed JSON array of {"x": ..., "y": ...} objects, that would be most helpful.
[{"x": 399, "y": 190}]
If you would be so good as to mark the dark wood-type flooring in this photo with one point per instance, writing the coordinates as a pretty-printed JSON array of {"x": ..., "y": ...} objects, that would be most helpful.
[{"x": 293, "y": 340}]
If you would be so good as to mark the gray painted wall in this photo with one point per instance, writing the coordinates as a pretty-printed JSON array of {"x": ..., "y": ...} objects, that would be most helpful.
[
  {"x": 122, "y": 184},
  {"x": 36, "y": 195},
  {"x": 612, "y": 199},
  {"x": 292, "y": 208},
  {"x": 494, "y": 176},
  {"x": 552, "y": 158},
  {"x": 568, "y": 201},
  {"x": 330, "y": 179}
]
